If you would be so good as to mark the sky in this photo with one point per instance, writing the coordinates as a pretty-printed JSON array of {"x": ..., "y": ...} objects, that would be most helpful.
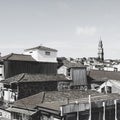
[{"x": 73, "y": 27}]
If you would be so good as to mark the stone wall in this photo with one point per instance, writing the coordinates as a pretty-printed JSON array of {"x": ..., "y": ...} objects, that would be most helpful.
[{"x": 31, "y": 88}]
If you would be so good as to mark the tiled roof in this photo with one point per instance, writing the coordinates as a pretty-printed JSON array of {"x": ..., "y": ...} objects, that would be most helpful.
[
  {"x": 13, "y": 79},
  {"x": 53, "y": 100},
  {"x": 52, "y": 96},
  {"x": 18, "y": 57},
  {"x": 97, "y": 98},
  {"x": 26, "y": 77},
  {"x": 101, "y": 75},
  {"x": 70, "y": 64},
  {"x": 42, "y": 48}
]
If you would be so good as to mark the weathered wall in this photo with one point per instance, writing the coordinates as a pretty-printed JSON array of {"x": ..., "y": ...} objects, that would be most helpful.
[
  {"x": 31, "y": 88},
  {"x": 40, "y": 55},
  {"x": 62, "y": 70},
  {"x": 16, "y": 67},
  {"x": 79, "y": 76},
  {"x": 5, "y": 114}
]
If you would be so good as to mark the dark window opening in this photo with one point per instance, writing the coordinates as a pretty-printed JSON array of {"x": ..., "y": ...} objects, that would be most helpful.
[
  {"x": 108, "y": 89},
  {"x": 68, "y": 72},
  {"x": 47, "y": 53}
]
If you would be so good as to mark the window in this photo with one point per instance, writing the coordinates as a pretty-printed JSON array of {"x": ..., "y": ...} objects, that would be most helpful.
[
  {"x": 0, "y": 74},
  {"x": 47, "y": 53},
  {"x": 68, "y": 72},
  {"x": 103, "y": 90},
  {"x": 109, "y": 89}
]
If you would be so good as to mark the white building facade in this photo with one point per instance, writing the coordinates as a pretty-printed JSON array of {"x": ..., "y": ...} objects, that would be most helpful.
[{"x": 42, "y": 54}]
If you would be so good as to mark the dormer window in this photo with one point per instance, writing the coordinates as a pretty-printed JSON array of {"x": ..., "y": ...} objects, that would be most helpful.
[{"x": 47, "y": 53}]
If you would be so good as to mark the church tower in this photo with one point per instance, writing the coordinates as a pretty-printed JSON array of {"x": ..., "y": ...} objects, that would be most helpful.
[{"x": 100, "y": 51}]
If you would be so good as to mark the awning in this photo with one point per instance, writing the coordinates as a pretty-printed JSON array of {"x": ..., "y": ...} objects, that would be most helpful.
[{"x": 22, "y": 111}]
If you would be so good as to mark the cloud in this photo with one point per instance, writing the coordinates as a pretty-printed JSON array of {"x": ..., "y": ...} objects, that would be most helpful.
[{"x": 85, "y": 30}]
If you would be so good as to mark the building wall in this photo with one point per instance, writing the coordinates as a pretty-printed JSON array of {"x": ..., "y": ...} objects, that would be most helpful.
[
  {"x": 64, "y": 85},
  {"x": 40, "y": 55},
  {"x": 48, "y": 117},
  {"x": 79, "y": 76},
  {"x": 109, "y": 68},
  {"x": 5, "y": 114},
  {"x": 1, "y": 72},
  {"x": 16, "y": 67},
  {"x": 20, "y": 116},
  {"x": 117, "y": 66},
  {"x": 9, "y": 95},
  {"x": 96, "y": 114},
  {"x": 31, "y": 88},
  {"x": 62, "y": 70}
]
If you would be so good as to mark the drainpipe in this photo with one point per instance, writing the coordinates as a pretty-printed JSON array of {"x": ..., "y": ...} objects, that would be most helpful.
[
  {"x": 103, "y": 110},
  {"x": 61, "y": 113},
  {"x": 90, "y": 111},
  {"x": 115, "y": 102},
  {"x": 106, "y": 87},
  {"x": 77, "y": 109}
]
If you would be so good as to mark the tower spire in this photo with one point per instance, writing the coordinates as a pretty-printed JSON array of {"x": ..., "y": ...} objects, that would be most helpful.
[{"x": 100, "y": 50}]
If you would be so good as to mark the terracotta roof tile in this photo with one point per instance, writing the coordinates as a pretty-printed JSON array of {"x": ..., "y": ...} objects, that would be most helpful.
[
  {"x": 53, "y": 100},
  {"x": 70, "y": 64},
  {"x": 18, "y": 57},
  {"x": 26, "y": 77},
  {"x": 52, "y": 96},
  {"x": 41, "y": 48},
  {"x": 101, "y": 75}
]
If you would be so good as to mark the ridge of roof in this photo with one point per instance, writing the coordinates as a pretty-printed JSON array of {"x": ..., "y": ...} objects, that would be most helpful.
[
  {"x": 23, "y": 75},
  {"x": 6, "y": 56},
  {"x": 53, "y": 98},
  {"x": 70, "y": 64},
  {"x": 37, "y": 77},
  {"x": 19, "y": 57},
  {"x": 41, "y": 48},
  {"x": 101, "y": 75}
]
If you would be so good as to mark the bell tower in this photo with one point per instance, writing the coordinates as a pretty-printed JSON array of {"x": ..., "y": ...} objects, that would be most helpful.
[{"x": 100, "y": 51}]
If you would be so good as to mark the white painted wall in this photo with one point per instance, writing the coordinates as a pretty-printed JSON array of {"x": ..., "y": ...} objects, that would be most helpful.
[
  {"x": 8, "y": 95},
  {"x": 114, "y": 84},
  {"x": 117, "y": 66},
  {"x": 5, "y": 114},
  {"x": 109, "y": 68},
  {"x": 62, "y": 70},
  {"x": 39, "y": 55}
]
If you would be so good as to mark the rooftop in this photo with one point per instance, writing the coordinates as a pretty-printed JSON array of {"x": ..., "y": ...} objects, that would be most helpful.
[
  {"x": 42, "y": 48},
  {"x": 18, "y": 57},
  {"x": 53, "y": 100},
  {"x": 101, "y": 75},
  {"x": 70, "y": 64},
  {"x": 26, "y": 77},
  {"x": 52, "y": 96}
]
